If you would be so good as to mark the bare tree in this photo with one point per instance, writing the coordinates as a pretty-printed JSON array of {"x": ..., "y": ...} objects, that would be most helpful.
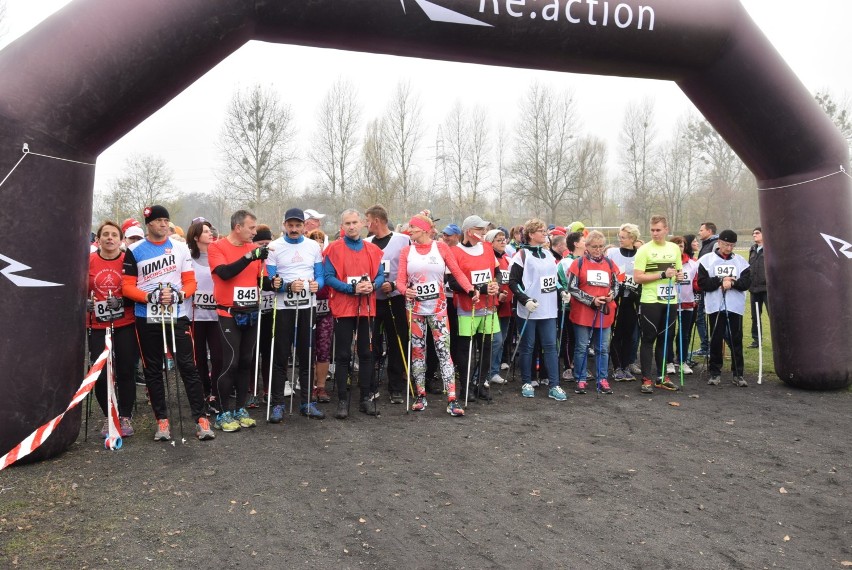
[
  {"x": 591, "y": 156},
  {"x": 2, "y": 18},
  {"x": 723, "y": 172},
  {"x": 679, "y": 173},
  {"x": 377, "y": 180},
  {"x": 478, "y": 153},
  {"x": 839, "y": 111},
  {"x": 335, "y": 143},
  {"x": 545, "y": 168},
  {"x": 638, "y": 158},
  {"x": 256, "y": 144},
  {"x": 502, "y": 170},
  {"x": 403, "y": 132},
  {"x": 146, "y": 180}
]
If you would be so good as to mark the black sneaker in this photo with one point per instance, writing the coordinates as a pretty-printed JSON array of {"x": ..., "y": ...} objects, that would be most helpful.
[
  {"x": 396, "y": 398},
  {"x": 369, "y": 406},
  {"x": 483, "y": 392},
  {"x": 754, "y": 344},
  {"x": 342, "y": 410}
]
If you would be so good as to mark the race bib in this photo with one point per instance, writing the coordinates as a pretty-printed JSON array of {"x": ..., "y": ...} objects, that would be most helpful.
[
  {"x": 504, "y": 276},
  {"x": 204, "y": 300},
  {"x": 245, "y": 296},
  {"x": 386, "y": 267},
  {"x": 665, "y": 292},
  {"x": 103, "y": 314},
  {"x": 156, "y": 314},
  {"x": 686, "y": 278},
  {"x": 726, "y": 271},
  {"x": 548, "y": 284},
  {"x": 427, "y": 291},
  {"x": 354, "y": 280},
  {"x": 630, "y": 284},
  {"x": 597, "y": 278},
  {"x": 300, "y": 299},
  {"x": 481, "y": 277},
  {"x": 267, "y": 301},
  {"x": 322, "y": 307}
]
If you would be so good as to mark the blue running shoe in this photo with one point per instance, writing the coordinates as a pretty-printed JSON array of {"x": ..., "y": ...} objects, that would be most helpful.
[
  {"x": 277, "y": 415},
  {"x": 527, "y": 391},
  {"x": 312, "y": 411},
  {"x": 557, "y": 394}
]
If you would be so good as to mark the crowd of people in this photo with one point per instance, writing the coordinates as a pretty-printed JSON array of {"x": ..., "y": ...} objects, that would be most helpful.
[{"x": 420, "y": 311}]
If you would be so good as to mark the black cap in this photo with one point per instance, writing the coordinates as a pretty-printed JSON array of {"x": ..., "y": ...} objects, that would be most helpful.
[
  {"x": 262, "y": 235},
  {"x": 155, "y": 212},
  {"x": 294, "y": 214},
  {"x": 729, "y": 236}
]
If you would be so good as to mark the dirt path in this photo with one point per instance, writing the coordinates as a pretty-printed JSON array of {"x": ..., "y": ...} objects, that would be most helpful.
[{"x": 735, "y": 478}]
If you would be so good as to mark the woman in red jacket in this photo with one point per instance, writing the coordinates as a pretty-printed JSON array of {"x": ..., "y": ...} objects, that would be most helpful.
[{"x": 106, "y": 308}]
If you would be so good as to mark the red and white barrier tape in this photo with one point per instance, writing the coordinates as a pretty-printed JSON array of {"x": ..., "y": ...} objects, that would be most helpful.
[{"x": 39, "y": 436}]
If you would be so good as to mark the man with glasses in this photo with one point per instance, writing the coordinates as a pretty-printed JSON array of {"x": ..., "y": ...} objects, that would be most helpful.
[
  {"x": 725, "y": 276},
  {"x": 658, "y": 269}
]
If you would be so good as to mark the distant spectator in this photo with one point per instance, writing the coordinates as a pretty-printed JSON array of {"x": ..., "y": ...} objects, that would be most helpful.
[{"x": 758, "y": 283}]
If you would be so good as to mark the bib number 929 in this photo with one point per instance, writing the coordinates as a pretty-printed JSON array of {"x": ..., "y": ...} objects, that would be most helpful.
[{"x": 157, "y": 314}]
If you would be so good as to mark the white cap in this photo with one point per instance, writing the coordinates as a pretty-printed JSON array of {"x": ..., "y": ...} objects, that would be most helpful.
[
  {"x": 313, "y": 215},
  {"x": 134, "y": 231}
]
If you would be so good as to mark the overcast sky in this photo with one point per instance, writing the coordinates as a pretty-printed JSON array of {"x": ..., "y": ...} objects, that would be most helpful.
[{"x": 813, "y": 37}]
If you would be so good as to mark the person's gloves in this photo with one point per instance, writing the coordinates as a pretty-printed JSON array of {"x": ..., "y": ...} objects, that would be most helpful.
[
  {"x": 90, "y": 305},
  {"x": 566, "y": 297},
  {"x": 531, "y": 305},
  {"x": 114, "y": 303},
  {"x": 258, "y": 253}
]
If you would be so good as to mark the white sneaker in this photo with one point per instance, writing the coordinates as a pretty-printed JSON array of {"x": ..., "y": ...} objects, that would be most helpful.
[
  {"x": 686, "y": 369},
  {"x": 534, "y": 383},
  {"x": 288, "y": 390},
  {"x": 504, "y": 366},
  {"x": 298, "y": 385},
  {"x": 568, "y": 374},
  {"x": 634, "y": 369},
  {"x": 670, "y": 368},
  {"x": 497, "y": 379}
]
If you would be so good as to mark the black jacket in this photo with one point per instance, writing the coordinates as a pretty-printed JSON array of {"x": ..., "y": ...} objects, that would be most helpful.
[
  {"x": 758, "y": 270},
  {"x": 708, "y": 245}
]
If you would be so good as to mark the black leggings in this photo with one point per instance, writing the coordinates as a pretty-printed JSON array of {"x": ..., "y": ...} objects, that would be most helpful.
[
  {"x": 206, "y": 335},
  {"x": 626, "y": 319},
  {"x": 238, "y": 344},
  {"x": 344, "y": 330},
  {"x": 125, "y": 352},
  {"x": 285, "y": 327},
  {"x": 652, "y": 321}
]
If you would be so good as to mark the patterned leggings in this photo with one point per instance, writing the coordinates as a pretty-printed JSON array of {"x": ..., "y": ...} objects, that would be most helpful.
[{"x": 441, "y": 336}]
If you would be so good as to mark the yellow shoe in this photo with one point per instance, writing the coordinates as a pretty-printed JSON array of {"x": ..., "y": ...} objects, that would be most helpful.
[{"x": 244, "y": 418}]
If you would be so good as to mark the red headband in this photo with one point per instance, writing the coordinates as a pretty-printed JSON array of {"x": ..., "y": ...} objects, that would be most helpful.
[{"x": 420, "y": 223}]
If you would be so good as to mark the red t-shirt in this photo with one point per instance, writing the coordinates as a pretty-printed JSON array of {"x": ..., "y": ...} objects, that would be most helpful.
[
  {"x": 243, "y": 291},
  {"x": 105, "y": 277}
]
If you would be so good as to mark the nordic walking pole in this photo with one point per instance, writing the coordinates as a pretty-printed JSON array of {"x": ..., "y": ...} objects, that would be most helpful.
[
  {"x": 293, "y": 369},
  {"x": 410, "y": 310},
  {"x": 257, "y": 341},
  {"x": 489, "y": 316},
  {"x": 730, "y": 336},
  {"x": 666, "y": 334},
  {"x": 271, "y": 353},
  {"x": 759, "y": 345},
  {"x": 174, "y": 361},
  {"x": 598, "y": 354},
  {"x": 312, "y": 308},
  {"x": 352, "y": 358},
  {"x": 469, "y": 354},
  {"x": 165, "y": 354},
  {"x": 680, "y": 336},
  {"x": 373, "y": 395},
  {"x": 399, "y": 342}
]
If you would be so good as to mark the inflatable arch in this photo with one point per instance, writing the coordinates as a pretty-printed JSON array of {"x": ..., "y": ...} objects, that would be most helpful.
[{"x": 93, "y": 71}]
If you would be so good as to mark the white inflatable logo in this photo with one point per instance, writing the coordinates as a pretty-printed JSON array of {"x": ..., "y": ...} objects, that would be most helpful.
[
  {"x": 440, "y": 14},
  {"x": 845, "y": 249},
  {"x": 15, "y": 267}
]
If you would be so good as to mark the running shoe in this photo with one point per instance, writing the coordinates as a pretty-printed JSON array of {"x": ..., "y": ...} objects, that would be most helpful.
[
  {"x": 497, "y": 379},
  {"x": 534, "y": 384},
  {"x": 557, "y": 393},
  {"x": 739, "y": 381},
  {"x": 581, "y": 387},
  {"x": 244, "y": 418},
  {"x": 634, "y": 369},
  {"x": 342, "y": 410},
  {"x": 483, "y": 392},
  {"x": 504, "y": 366},
  {"x": 667, "y": 384},
  {"x": 396, "y": 398},
  {"x": 753, "y": 344},
  {"x": 686, "y": 368},
  {"x": 700, "y": 352},
  {"x": 253, "y": 402},
  {"x": 527, "y": 391},
  {"x": 603, "y": 387},
  {"x": 369, "y": 405},
  {"x": 212, "y": 406},
  {"x": 162, "y": 433},
  {"x": 714, "y": 381},
  {"x": 628, "y": 376},
  {"x": 226, "y": 422},
  {"x": 126, "y": 427},
  {"x": 670, "y": 368},
  {"x": 310, "y": 410},
  {"x": 647, "y": 386},
  {"x": 568, "y": 375},
  {"x": 454, "y": 409},
  {"x": 419, "y": 404},
  {"x": 277, "y": 415},
  {"x": 202, "y": 429},
  {"x": 105, "y": 429},
  {"x": 618, "y": 376}
]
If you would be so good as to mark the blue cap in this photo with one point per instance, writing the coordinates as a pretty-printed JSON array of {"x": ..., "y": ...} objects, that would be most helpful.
[{"x": 452, "y": 230}]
